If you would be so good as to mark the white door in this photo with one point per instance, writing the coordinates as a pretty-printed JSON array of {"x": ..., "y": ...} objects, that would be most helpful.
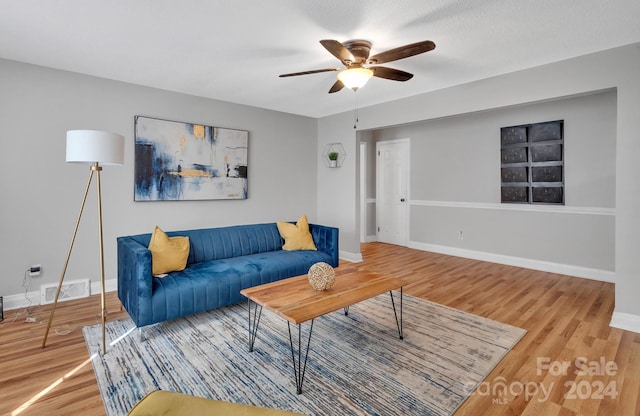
[{"x": 392, "y": 189}]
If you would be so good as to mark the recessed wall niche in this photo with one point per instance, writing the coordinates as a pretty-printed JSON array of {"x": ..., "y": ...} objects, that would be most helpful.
[{"x": 532, "y": 163}]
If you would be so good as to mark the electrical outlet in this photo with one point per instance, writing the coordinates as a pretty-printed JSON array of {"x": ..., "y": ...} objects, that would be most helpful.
[
  {"x": 460, "y": 235},
  {"x": 35, "y": 270}
]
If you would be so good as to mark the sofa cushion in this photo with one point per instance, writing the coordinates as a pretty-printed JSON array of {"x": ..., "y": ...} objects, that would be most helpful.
[
  {"x": 207, "y": 285},
  {"x": 168, "y": 254},
  {"x": 296, "y": 237},
  {"x": 233, "y": 241}
]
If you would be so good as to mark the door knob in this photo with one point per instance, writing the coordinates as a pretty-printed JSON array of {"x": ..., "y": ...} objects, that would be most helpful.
[{"x": 401, "y": 199}]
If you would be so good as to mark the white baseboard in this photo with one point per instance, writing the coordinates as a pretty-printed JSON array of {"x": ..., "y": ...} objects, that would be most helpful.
[
  {"x": 110, "y": 285},
  {"x": 545, "y": 266},
  {"x": 352, "y": 257},
  {"x": 625, "y": 321},
  {"x": 32, "y": 298},
  {"x": 22, "y": 300},
  {"x": 370, "y": 238}
]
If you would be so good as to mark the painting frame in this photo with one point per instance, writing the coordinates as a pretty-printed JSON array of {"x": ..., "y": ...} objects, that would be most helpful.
[{"x": 181, "y": 161}]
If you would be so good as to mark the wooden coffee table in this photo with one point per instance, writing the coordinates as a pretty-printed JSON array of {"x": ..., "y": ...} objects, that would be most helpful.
[{"x": 296, "y": 301}]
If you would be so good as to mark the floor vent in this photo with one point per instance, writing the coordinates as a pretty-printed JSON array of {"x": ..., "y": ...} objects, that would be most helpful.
[{"x": 70, "y": 290}]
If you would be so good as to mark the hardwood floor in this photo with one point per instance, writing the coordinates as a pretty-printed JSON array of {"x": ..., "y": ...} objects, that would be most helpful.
[
  {"x": 59, "y": 379},
  {"x": 567, "y": 320}
]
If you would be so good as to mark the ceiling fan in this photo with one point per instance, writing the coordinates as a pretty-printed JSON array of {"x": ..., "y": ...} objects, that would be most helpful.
[{"x": 359, "y": 66}]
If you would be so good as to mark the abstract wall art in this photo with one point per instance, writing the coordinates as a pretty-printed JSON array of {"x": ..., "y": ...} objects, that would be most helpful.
[{"x": 176, "y": 161}]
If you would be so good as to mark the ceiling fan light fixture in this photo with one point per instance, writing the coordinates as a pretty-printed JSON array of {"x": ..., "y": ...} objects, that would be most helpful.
[{"x": 355, "y": 78}]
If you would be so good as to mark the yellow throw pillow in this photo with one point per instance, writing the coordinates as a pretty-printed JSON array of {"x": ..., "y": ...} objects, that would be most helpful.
[
  {"x": 296, "y": 237},
  {"x": 168, "y": 254}
]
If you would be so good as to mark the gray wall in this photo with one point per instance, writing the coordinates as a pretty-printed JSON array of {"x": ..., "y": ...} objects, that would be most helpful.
[
  {"x": 338, "y": 189},
  {"x": 457, "y": 160},
  {"x": 611, "y": 69},
  {"x": 41, "y": 194}
]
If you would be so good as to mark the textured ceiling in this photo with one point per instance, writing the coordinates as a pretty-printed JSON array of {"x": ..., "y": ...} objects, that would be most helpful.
[{"x": 235, "y": 50}]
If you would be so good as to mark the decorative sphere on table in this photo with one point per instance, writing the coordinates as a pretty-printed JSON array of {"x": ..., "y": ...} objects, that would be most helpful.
[{"x": 321, "y": 276}]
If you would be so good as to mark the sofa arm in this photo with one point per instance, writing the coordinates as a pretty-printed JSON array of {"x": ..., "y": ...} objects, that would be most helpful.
[
  {"x": 135, "y": 279},
  {"x": 326, "y": 240}
]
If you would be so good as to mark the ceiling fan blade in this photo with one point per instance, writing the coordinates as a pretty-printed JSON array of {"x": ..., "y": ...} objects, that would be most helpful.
[
  {"x": 402, "y": 52},
  {"x": 336, "y": 87},
  {"x": 390, "y": 73},
  {"x": 315, "y": 71},
  {"x": 338, "y": 50}
]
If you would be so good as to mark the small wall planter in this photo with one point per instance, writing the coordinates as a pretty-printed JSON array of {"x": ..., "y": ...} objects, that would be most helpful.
[{"x": 333, "y": 155}]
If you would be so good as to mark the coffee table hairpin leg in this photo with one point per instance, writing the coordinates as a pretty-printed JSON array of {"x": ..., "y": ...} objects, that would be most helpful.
[
  {"x": 253, "y": 325},
  {"x": 395, "y": 313},
  {"x": 299, "y": 367},
  {"x": 398, "y": 321}
]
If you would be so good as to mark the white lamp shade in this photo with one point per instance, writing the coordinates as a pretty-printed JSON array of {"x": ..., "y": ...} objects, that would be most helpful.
[
  {"x": 355, "y": 78},
  {"x": 91, "y": 146}
]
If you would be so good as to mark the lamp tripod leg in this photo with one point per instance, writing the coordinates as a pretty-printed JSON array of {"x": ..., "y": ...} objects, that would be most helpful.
[
  {"x": 66, "y": 262},
  {"x": 102, "y": 288}
]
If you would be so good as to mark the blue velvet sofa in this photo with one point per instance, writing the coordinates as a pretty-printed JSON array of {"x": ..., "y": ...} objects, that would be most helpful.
[{"x": 222, "y": 261}]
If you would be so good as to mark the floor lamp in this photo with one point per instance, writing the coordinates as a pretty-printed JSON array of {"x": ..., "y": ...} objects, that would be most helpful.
[{"x": 98, "y": 148}]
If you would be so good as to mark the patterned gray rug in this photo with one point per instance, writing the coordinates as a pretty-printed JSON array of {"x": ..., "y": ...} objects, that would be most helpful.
[{"x": 357, "y": 364}]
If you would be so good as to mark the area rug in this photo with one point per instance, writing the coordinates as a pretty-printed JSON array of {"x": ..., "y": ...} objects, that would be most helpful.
[{"x": 357, "y": 364}]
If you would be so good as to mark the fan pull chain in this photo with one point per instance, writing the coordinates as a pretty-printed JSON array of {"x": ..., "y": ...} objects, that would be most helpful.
[{"x": 355, "y": 121}]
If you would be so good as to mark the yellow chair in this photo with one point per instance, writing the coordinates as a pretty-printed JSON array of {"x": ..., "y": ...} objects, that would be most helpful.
[{"x": 158, "y": 403}]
